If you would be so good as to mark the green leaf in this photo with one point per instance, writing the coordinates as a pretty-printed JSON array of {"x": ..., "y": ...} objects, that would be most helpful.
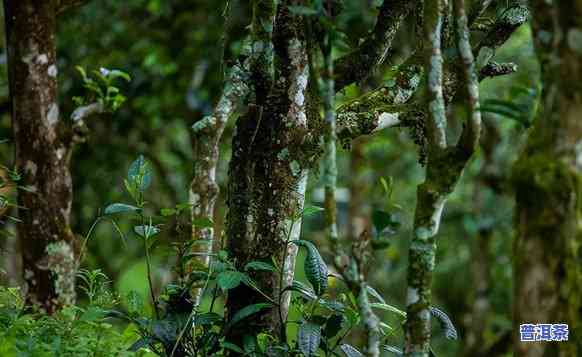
[
  {"x": 350, "y": 350},
  {"x": 207, "y": 318},
  {"x": 314, "y": 266},
  {"x": 147, "y": 231},
  {"x": 115, "y": 73},
  {"x": 92, "y": 314},
  {"x": 301, "y": 288},
  {"x": 391, "y": 349},
  {"x": 375, "y": 294},
  {"x": 139, "y": 344},
  {"x": 257, "y": 265},
  {"x": 140, "y": 174},
  {"x": 302, "y": 10},
  {"x": 445, "y": 323},
  {"x": 246, "y": 312},
  {"x": 120, "y": 208},
  {"x": 229, "y": 279},
  {"x": 382, "y": 220},
  {"x": 203, "y": 222},
  {"x": 333, "y": 325},
  {"x": 232, "y": 347},
  {"x": 311, "y": 210},
  {"x": 389, "y": 308},
  {"x": 308, "y": 338},
  {"x": 166, "y": 212}
]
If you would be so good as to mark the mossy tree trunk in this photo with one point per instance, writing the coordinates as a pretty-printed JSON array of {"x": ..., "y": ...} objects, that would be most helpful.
[
  {"x": 548, "y": 183},
  {"x": 43, "y": 151}
]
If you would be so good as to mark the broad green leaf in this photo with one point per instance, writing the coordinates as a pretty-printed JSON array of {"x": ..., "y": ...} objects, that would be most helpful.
[
  {"x": 120, "y": 208},
  {"x": 333, "y": 325},
  {"x": 257, "y": 265},
  {"x": 229, "y": 279},
  {"x": 246, "y": 312},
  {"x": 314, "y": 266},
  {"x": 308, "y": 338},
  {"x": 93, "y": 314},
  {"x": 301, "y": 288},
  {"x": 139, "y": 344},
  {"x": 140, "y": 174},
  {"x": 232, "y": 347},
  {"x": 147, "y": 231},
  {"x": 207, "y": 318},
  {"x": 350, "y": 350},
  {"x": 445, "y": 323},
  {"x": 202, "y": 223},
  {"x": 115, "y": 73}
]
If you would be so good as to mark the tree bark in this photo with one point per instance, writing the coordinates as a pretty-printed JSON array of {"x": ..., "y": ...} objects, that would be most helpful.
[
  {"x": 42, "y": 154},
  {"x": 547, "y": 179},
  {"x": 267, "y": 175}
]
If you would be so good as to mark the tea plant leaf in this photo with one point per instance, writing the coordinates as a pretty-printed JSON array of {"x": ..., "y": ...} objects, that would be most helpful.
[
  {"x": 445, "y": 323},
  {"x": 333, "y": 325},
  {"x": 350, "y": 350},
  {"x": 232, "y": 347},
  {"x": 315, "y": 268},
  {"x": 140, "y": 174},
  {"x": 301, "y": 288},
  {"x": 246, "y": 312},
  {"x": 311, "y": 210},
  {"x": 120, "y": 208},
  {"x": 256, "y": 265},
  {"x": 375, "y": 294},
  {"x": 202, "y": 223},
  {"x": 390, "y": 308},
  {"x": 147, "y": 231},
  {"x": 308, "y": 338},
  {"x": 395, "y": 350},
  {"x": 229, "y": 279}
]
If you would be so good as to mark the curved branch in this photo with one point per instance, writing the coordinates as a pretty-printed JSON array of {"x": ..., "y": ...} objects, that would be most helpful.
[{"x": 357, "y": 65}]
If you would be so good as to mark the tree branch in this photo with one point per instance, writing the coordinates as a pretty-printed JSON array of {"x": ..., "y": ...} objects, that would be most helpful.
[
  {"x": 361, "y": 116},
  {"x": 357, "y": 65},
  {"x": 472, "y": 128},
  {"x": 64, "y": 5}
]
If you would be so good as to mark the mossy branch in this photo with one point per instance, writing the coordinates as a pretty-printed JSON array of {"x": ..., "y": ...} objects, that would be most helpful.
[{"x": 358, "y": 64}]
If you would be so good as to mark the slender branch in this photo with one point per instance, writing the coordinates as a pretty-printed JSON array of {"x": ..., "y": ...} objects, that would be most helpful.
[
  {"x": 357, "y": 65},
  {"x": 445, "y": 167},
  {"x": 64, "y": 5},
  {"x": 361, "y": 116},
  {"x": 436, "y": 125},
  {"x": 329, "y": 167},
  {"x": 430, "y": 202},
  {"x": 471, "y": 130}
]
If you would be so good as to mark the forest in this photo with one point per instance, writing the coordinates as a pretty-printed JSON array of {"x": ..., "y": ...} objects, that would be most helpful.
[{"x": 291, "y": 178}]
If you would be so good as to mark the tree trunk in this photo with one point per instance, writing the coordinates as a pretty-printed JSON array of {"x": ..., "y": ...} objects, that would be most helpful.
[
  {"x": 268, "y": 173},
  {"x": 547, "y": 179},
  {"x": 42, "y": 156}
]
